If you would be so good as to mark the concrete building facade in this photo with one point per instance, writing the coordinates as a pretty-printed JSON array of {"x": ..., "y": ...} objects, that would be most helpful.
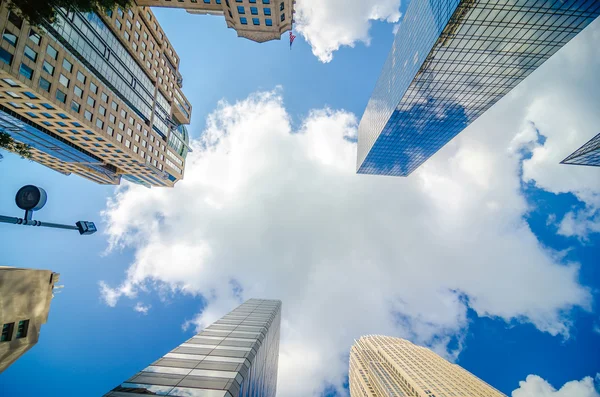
[
  {"x": 25, "y": 296},
  {"x": 256, "y": 20},
  {"x": 97, "y": 95},
  {"x": 382, "y": 366},
  {"x": 236, "y": 356},
  {"x": 451, "y": 61}
]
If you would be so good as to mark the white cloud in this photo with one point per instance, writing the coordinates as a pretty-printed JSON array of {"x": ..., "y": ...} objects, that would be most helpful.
[
  {"x": 141, "y": 308},
  {"x": 534, "y": 386},
  {"x": 266, "y": 211},
  {"x": 329, "y": 24}
]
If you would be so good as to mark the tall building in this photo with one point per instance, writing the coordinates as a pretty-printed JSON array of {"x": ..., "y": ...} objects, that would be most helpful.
[
  {"x": 25, "y": 296},
  {"x": 382, "y": 366},
  {"x": 451, "y": 61},
  {"x": 234, "y": 357},
  {"x": 588, "y": 154},
  {"x": 256, "y": 20},
  {"x": 97, "y": 95}
]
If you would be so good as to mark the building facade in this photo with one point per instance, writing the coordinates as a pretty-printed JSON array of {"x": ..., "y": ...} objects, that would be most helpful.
[
  {"x": 97, "y": 95},
  {"x": 25, "y": 296},
  {"x": 382, "y": 366},
  {"x": 450, "y": 62},
  {"x": 588, "y": 154},
  {"x": 235, "y": 356},
  {"x": 256, "y": 20}
]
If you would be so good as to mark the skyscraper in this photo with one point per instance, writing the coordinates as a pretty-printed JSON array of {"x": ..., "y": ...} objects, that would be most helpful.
[
  {"x": 382, "y": 366},
  {"x": 236, "y": 356},
  {"x": 588, "y": 154},
  {"x": 97, "y": 95},
  {"x": 451, "y": 61},
  {"x": 256, "y": 20},
  {"x": 25, "y": 296}
]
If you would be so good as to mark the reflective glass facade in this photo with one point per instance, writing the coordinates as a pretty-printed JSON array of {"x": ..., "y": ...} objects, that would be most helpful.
[
  {"x": 451, "y": 61},
  {"x": 588, "y": 154},
  {"x": 236, "y": 356}
]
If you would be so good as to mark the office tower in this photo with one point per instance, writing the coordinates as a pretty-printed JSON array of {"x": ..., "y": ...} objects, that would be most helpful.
[
  {"x": 256, "y": 20},
  {"x": 97, "y": 95},
  {"x": 588, "y": 154},
  {"x": 236, "y": 356},
  {"x": 382, "y": 366},
  {"x": 25, "y": 296},
  {"x": 451, "y": 61}
]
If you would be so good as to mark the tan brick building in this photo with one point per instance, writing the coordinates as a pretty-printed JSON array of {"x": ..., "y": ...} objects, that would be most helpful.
[
  {"x": 98, "y": 95},
  {"x": 382, "y": 366},
  {"x": 256, "y": 20}
]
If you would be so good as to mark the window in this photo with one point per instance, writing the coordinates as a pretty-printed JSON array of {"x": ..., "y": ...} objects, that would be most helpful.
[
  {"x": 243, "y": 21},
  {"x": 118, "y": 24},
  {"x": 136, "y": 35},
  {"x": 29, "y": 53},
  {"x": 81, "y": 77},
  {"x": 78, "y": 91},
  {"x": 68, "y": 66},
  {"x": 75, "y": 106},
  {"x": 93, "y": 88},
  {"x": 119, "y": 138},
  {"x": 121, "y": 125},
  {"x": 123, "y": 113},
  {"x": 104, "y": 98},
  {"x": 48, "y": 68},
  {"x": 9, "y": 37},
  {"x": 45, "y": 84},
  {"x": 26, "y": 71},
  {"x": 138, "y": 25},
  {"x": 109, "y": 130},
  {"x": 88, "y": 115},
  {"x": 109, "y": 12},
  {"x": 33, "y": 36},
  {"x": 241, "y": 10},
  {"x": 126, "y": 35},
  {"x": 91, "y": 101},
  {"x": 282, "y": 17},
  {"x": 64, "y": 80},
  {"x": 130, "y": 13},
  {"x": 266, "y": 1},
  {"x": 102, "y": 110},
  {"x": 281, "y": 6},
  {"x": 120, "y": 12},
  {"x": 61, "y": 96},
  {"x": 269, "y": 22},
  {"x": 114, "y": 105},
  {"x": 52, "y": 52},
  {"x": 253, "y": 10},
  {"x": 128, "y": 24},
  {"x": 255, "y": 21},
  {"x": 7, "y": 329},
  {"x": 15, "y": 19},
  {"x": 112, "y": 118},
  {"x": 99, "y": 123},
  {"x": 6, "y": 56},
  {"x": 267, "y": 11}
]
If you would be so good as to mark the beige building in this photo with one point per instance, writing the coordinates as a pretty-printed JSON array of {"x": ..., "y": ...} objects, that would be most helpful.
[
  {"x": 382, "y": 366},
  {"x": 97, "y": 95},
  {"x": 256, "y": 20},
  {"x": 25, "y": 296}
]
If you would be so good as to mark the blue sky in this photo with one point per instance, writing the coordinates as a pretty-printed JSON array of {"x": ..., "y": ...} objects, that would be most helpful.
[{"x": 472, "y": 255}]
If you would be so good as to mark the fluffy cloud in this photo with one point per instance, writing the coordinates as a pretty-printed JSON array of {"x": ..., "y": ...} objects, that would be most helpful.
[
  {"x": 272, "y": 212},
  {"x": 141, "y": 308},
  {"x": 328, "y": 25},
  {"x": 534, "y": 386}
]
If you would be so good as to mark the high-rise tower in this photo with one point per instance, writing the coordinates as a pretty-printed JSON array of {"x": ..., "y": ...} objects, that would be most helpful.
[
  {"x": 382, "y": 366},
  {"x": 98, "y": 95},
  {"x": 236, "y": 356},
  {"x": 450, "y": 62},
  {"x": 588, "y": 154}
]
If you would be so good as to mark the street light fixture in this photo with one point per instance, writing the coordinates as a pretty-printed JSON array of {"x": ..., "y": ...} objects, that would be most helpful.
[{"x": 32, "y": 198}]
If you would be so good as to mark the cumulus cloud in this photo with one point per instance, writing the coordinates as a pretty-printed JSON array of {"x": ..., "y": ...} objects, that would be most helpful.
[
  {"x": 329, "y": 24},
  {"x": 269, "y": 211},
  {"x": 141, "y": 308},
  {"x": 534, "y": 386}
]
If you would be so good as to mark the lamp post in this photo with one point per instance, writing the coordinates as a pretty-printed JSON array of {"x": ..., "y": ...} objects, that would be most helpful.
[{"x": 32, "y": 198}]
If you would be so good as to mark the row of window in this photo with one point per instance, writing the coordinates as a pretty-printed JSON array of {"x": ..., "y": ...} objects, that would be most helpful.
[{"x": 8, "y": 330}]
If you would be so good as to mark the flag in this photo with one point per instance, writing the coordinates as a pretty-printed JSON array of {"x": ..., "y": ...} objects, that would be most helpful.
[{"x": 292, "y": 37}]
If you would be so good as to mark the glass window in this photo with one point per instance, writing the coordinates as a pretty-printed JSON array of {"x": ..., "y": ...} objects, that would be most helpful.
[
  {"x": 33, "y": 36},
  {"x": 15, "y": 19},
  {"x": 254, "y": 10},
  {"x": 119, "y": 138},
  {"x": 114, "y": 105},
  {"x": 281, "y": 6},
  {"x": 267, "y": 11},
  {"x": 120, "y": 12},
  {"x": 91, "y": 101},
  {"x": 130, "y": 13},
  {"x": 5, "y": 56},
  {"x": 88, "y": 115},
  {"x": 78, "y": 91},
  {"x": 29, "y": 53},
  {"x": 126, "y": 35},
  {"x": 52, "y": 52},
  {"x": 61, "y": 96},
  {"x": 138, "y": 25},
  {"x": 93, "y": 88},
  {"x": 266, "y": 1},
  {"x": 282, "y": 17},
  {"x": 68, "y": 66},
  {"x": 109, "y": 130},
  {"x": 241, "y": 10},
  {"x": 112, "y": 118},
  {"x": 102, "y": 110},
  {"x": 269, "y": 22},
  {"x": 63, "y": 80},
  {"x": 81, "y": 77},
  {"x": 109, "y": 12},
  {"x": 99, "y": 123},
  {"x": 104, "y": 98},
  {"x": 45, "y": 84},
  {"x": 48, "y": 68},
  {"x": 75, "y": 106},
  {"x": 7, "y": 329},
  {"x": 255, "y": 21},
  {"x": 118, "y": 24},
  {"x": 123, "y": 113},
  {"x": 26, "y": 71},
  {"x": 121, "y": 125},
  {"x": 243, "y": 21},
  {"x": 9, "y": 37}
]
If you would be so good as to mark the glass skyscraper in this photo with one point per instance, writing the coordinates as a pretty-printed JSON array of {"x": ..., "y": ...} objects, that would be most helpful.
[
  {"x": 236, "y": 356},
  {"x": 588, "y": 154},
  {"x": 451, "y": 61}
]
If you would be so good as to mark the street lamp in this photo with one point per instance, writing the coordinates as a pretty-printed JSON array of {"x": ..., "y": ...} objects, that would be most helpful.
[{"x": 32, "y": 198}]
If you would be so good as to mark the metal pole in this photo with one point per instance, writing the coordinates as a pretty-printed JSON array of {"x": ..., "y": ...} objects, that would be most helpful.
[{"x": 25, "y": 222}]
